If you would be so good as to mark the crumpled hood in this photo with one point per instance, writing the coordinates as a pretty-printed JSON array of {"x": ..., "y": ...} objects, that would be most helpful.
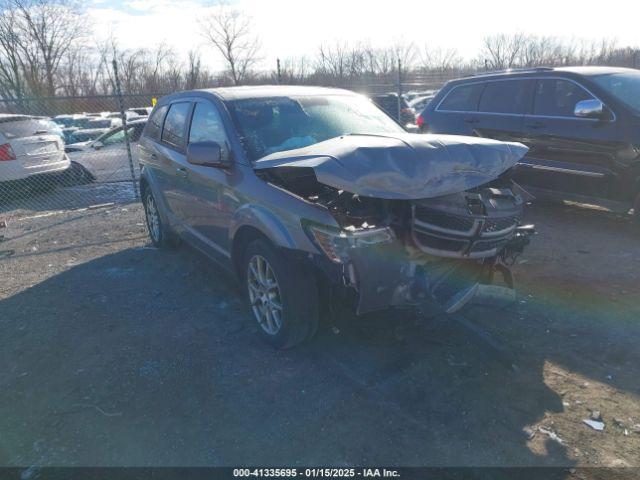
[{"x": 403, "y": 167}]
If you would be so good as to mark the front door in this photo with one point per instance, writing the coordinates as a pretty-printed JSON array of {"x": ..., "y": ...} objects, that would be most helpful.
[
  {"x": 208, "y": 188},
  {"x": 567, "y": 154}
]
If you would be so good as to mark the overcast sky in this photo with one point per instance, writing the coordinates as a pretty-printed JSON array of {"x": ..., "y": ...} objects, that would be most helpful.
[{"x": 290, "y": 28}]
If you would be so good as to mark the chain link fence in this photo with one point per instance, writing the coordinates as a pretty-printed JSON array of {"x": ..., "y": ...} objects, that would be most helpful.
[{"x": 65, "y": 153}]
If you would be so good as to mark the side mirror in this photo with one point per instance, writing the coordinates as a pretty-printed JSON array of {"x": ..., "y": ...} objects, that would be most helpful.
[
  {"x": 98, "y": 145},
  {"x": 207, "y": 154},
  {"x": 590, "y": 109}
]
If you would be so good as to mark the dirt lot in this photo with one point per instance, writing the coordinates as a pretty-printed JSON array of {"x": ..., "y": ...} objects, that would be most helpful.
[{"x": 115, "y": 353}]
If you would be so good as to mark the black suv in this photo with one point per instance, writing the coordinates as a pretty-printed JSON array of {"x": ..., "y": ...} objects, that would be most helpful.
[{"x": 581, "y": 124}]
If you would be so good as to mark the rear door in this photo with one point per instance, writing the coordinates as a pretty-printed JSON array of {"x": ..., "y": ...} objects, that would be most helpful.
[
  {"x": 456, "y": 112},
  {"x": 162, "y": 151},
  {"x": 172, "y": 153},
  {"x": 501, "y": 109},
  {"x": 568, "y": 154}
]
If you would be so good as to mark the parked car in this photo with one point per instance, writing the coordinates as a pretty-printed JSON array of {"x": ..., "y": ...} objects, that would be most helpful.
[
  {"x": 72, "y": 121},
  {"x": 313, "y": 194},
  {"x": 84, "y": 135},
  {"x": 419, "y": 103},
  {"x": 26, "y": 150},
  {"x": 142, "y": 111},
  {"x": 106, "y": 157},
  {"x": 103, "y": 122},
  {"x": 581, "y": 124},
  {"x": 112, "y": 137},
  {"x": 46, "y": 124},
  {"x": 388, "y": 102},
  {"x": 413, "y": 94}
]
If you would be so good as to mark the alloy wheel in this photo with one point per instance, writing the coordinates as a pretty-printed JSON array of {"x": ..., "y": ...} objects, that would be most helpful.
[
  {"x": 153, "y": 219},
  {"x": 264, "y": 294}
]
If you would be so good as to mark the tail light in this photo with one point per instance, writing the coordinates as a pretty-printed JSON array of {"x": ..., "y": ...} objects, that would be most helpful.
[
  {"x": 6, "y": 152},
  {"x": 420, "y": 122}
]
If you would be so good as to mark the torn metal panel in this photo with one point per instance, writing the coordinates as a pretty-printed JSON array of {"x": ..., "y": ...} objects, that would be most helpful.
[
  {"x": 385, "y": 276},
  {"x": 404, "y": 167}
]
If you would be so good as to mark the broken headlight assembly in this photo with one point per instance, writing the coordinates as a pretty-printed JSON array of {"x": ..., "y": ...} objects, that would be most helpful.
[{"x": 336, "y": 243}]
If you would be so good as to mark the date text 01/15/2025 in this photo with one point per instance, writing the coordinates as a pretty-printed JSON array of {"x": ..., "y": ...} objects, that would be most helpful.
[{"x": 316, "y": 472}]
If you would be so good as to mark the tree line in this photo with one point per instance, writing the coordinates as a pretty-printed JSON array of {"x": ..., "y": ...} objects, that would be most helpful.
[{"x": 47, "y": 49}]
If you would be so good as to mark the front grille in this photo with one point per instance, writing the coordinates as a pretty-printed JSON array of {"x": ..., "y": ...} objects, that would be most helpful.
[
  {"x": 454, "y": 236},
  {"x": 443, "y": 221}
]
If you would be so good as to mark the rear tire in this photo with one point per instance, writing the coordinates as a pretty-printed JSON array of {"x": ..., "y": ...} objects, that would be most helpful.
[
  {"x": 282, "y": 294},
  {"x": 159, "y": 234}
]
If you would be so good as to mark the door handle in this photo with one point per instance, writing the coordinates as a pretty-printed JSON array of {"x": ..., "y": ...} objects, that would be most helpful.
[
  {"x": 471, "y": 120},
  {"x": 535, "y": 125},
  {"x": 182, "y": 172}
]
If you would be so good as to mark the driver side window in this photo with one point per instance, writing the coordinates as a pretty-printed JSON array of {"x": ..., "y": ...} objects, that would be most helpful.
[
  {"x": 558, "y": 98},
  {"x": 207, "y": 126}
]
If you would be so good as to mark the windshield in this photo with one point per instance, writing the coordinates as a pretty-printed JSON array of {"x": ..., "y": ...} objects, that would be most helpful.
[
  {"x": 269, "y": 125},
  {"x": 623, "y": 86}
]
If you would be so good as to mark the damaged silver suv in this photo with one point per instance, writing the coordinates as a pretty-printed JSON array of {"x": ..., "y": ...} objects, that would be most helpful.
[{"x": 314, "y": 195}]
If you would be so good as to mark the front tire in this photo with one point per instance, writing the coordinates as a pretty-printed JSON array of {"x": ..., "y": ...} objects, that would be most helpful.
[{"x": 282, "y": 295}]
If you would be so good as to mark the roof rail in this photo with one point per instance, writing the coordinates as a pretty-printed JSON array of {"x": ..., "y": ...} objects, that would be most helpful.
[{"x": 512, "y": 70}]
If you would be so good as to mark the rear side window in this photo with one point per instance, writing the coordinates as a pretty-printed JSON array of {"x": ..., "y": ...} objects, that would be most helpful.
[
  {"x": 175, "y": 123},
  {"x": 463, "y": 98},
  {"x": 154, "y": 126},
  {"x": 558, "y": 98},
  {"x": 507, "y": 96}
]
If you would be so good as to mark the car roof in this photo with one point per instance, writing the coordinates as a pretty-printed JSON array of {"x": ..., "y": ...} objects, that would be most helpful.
[
  {"x": 574, "y": 71},
  {"x": 264, "y": 91}
]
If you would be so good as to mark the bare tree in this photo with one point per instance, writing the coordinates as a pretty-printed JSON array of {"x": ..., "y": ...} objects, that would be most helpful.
[
  {"x": 440, "y": 60},
  {"x": 502, "y": 51},
  {"x": 230, "y": 31},
  {"x": 12, "y": 82},
  {"x": 45, "y": 31},
  {"x": 406, "y": 53},
  {"x": 193, "y": 75}
]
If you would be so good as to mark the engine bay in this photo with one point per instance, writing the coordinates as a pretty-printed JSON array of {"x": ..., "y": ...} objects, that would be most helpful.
[{"x": 476, "y": 223}]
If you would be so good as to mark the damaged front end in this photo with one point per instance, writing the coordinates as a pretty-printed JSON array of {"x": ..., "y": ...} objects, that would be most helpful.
[{"x": 431, "y": 248}]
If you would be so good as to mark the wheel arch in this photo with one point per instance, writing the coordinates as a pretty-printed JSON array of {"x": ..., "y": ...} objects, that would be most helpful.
[{"x": 244, "y": 235}]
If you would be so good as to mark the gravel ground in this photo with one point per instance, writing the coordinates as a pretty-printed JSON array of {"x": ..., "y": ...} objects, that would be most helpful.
[{"x": 116, "y": 353}]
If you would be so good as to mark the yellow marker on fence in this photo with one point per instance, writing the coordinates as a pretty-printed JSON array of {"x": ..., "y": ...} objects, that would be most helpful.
[{"x": 154, "y": 100}]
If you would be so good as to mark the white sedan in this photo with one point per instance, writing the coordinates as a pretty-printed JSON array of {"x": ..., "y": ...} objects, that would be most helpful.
[{"x": 28, "y": 148}]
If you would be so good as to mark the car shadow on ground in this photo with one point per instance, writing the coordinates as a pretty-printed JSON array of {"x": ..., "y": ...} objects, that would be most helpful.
[{"x": 148, "y": 357}]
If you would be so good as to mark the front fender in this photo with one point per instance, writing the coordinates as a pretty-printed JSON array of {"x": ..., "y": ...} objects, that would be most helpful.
[{"x": 266, "y": 222}]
